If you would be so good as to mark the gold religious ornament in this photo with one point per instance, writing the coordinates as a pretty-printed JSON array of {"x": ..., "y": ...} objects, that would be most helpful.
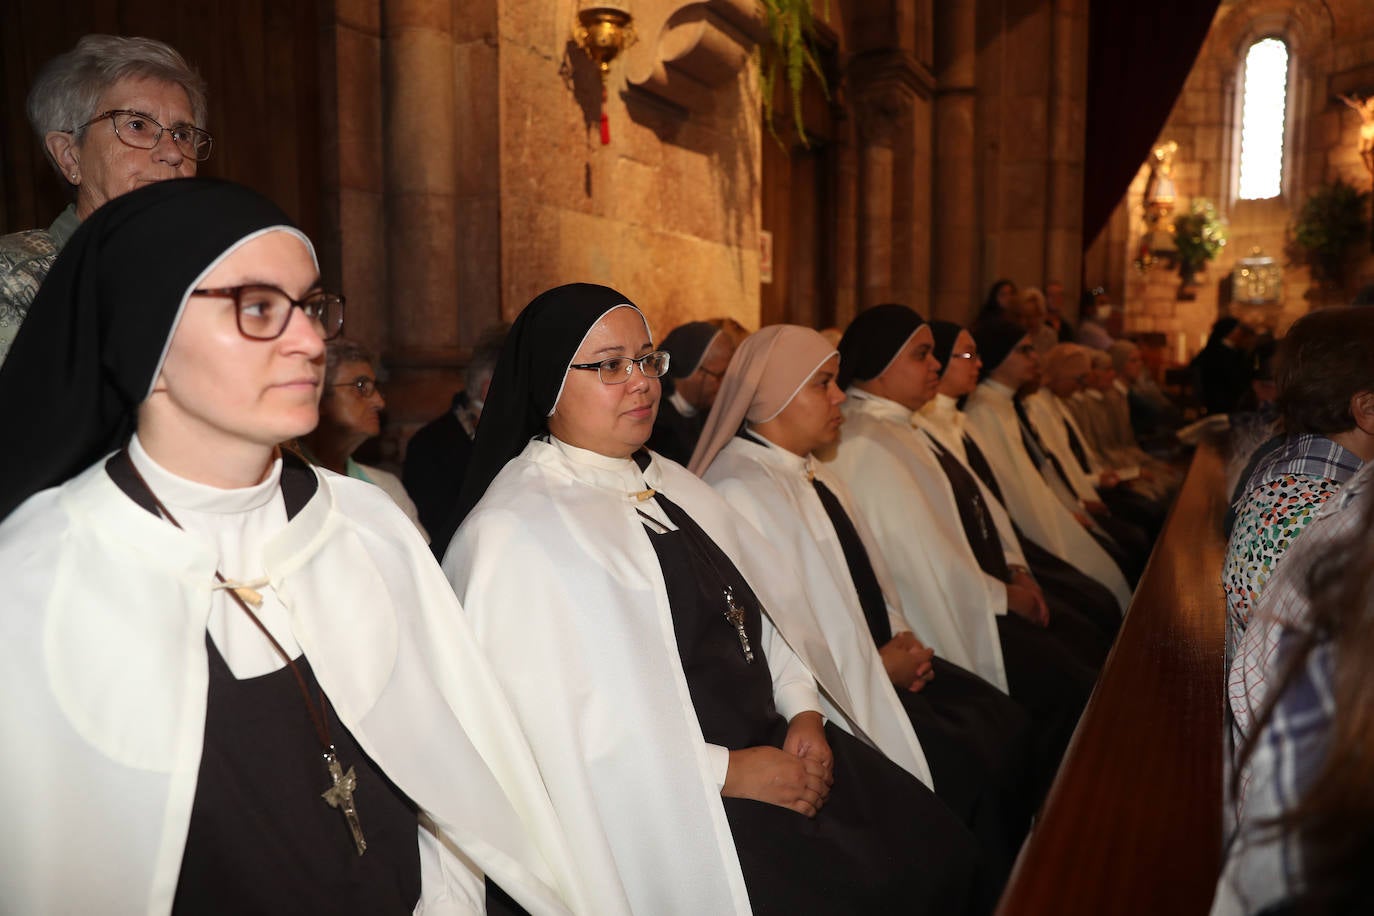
[
  {"x": 1365, "y": 109},
  {"x": 734, "y": 614},
  {"x": 603, "y": 32},
  {"x": 1157, "y": 229},
  {"x": 340, "y": 795}
]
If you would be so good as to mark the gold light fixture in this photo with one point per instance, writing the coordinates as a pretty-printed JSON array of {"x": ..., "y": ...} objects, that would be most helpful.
[
  {"x": 1257, "y": 280},
  {"x": 603, "y": 32}
]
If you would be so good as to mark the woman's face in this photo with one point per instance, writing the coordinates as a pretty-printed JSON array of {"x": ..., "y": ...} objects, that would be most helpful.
[
  {"x": 345, "y": 407},
  {"x": 913, "y": 376},
  {"x": 227, "y": 390},
  {"x": 1020, "y": 367},
  {"x": 1130, "y": 370},
  {"x": 812, "y": 418},
  {"x": 1006, "y": 295},
  {"x": 103, "y": 167},
  {"x": 961, "y": 375},
  {"x": 612, "y": 420}
]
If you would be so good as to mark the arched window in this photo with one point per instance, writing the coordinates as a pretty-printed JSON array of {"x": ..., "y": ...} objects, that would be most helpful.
[{"x": 1262, "y": 119}]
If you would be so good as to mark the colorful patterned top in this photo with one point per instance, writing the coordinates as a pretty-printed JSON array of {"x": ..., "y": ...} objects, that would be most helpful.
[
  {"x": 25, "y": 258},
  {"x": 1284, "y": 493}
]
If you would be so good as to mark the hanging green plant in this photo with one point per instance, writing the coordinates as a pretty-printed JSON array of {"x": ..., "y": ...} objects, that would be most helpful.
[
  {"x": 790, "y": 52},
  {"x": 1330, "y": 223},
  {"x": 1199, "y": 236}
]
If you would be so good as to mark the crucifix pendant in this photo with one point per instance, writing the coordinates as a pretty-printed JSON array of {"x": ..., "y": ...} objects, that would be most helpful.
[
  {"x": 340, "y": 795},
  {"x": 735, "y": 614}
]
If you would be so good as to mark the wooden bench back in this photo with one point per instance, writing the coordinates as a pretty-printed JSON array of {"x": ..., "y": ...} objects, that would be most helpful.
[{"x": 1132, "y": 824}]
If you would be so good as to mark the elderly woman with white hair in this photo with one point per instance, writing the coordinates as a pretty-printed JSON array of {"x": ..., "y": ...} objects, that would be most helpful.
[{"x": 112, "y": 114}]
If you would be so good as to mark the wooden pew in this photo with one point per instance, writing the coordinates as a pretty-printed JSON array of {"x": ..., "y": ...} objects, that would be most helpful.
[{"x": 1132, "y": 824}]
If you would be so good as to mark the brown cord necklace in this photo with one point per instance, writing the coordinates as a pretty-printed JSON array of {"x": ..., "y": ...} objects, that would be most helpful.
[{"x": 340, "y": 793}]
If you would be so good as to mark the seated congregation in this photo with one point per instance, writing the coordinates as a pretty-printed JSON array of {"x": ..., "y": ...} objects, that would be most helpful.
[{"x": 827, "y": 660}]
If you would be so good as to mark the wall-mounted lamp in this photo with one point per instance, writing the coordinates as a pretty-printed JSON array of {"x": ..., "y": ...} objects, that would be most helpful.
[{"x": 603, "y": 32}]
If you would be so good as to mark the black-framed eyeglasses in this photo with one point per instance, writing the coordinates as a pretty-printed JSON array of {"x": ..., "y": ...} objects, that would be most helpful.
[
  {"x": 365, "y": 385},
  {"x": 142, "y": 132},
  {"x": 617, "y": 369},
  {"x": 263, "y": 311}
]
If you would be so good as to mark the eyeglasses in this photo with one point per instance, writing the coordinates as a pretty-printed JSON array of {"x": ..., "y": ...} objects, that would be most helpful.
[
  {"x": 1026, "y": 349},
  {"x": 365, "y": 385},
  {"x": 263, "y": 311},
  {"x": 617, "y": 369},
  {"x": 970, "y": 355},
  {"x": 142, "y": 132}
]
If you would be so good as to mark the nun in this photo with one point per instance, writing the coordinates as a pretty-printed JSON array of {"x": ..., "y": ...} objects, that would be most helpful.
[
  {"x": 943, "y": 421},
  {"x": 232, "y": 682},
  {"x": 994, "y": 418},
  {"x": 966, "y": 591},
  {"x": 699, "y": 351},
  {"x": 659, "y": 655},
  {"x": 778, "y": 405}
]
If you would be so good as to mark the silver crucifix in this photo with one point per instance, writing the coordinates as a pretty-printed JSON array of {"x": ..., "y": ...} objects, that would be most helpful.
[
  {"x": 340, "y": 795},
  {"x": 735, "y": 614}
]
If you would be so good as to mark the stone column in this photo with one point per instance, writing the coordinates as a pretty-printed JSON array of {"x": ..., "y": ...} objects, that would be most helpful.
[
  {"x": 954, "y": 219},
  {"x": 421, "y": 170},
  {"x": 1068, "y": 62},
  {"x": 352, "y": 244},
  {"x": 887, "y": 87}
]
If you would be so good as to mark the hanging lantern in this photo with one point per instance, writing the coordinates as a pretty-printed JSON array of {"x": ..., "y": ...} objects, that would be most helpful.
[
  {"x": 603, "y": 32},
  {"x": 1257, "y": 280}
]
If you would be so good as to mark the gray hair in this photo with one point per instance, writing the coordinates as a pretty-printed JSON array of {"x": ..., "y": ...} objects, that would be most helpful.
[
  {"x": 345, "y": 350},
  {"x": 484, "y": 356},
  {"x": 68, "y": 88}
]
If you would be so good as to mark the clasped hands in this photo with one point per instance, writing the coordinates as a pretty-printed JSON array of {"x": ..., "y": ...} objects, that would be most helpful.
[
  {"x": 907, "y": 662},
  {"x": 797, "y": 776}
]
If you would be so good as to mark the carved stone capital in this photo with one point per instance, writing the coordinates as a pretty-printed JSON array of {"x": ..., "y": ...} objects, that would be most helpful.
[
  {"x": 884, "y": 87},
  {"x": 693, "y": 47}
]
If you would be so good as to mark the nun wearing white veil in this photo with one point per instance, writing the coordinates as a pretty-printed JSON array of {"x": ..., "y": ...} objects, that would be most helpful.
[
  {"x": 778, "y": 404},
  {"x": 659, "y": 655}
]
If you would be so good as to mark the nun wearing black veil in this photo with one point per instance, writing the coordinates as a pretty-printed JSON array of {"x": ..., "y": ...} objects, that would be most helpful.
[
  {"x": 232, "y": 682},
  {"x": 964, "y": 586},
  {"x": 660, "y": 655}
]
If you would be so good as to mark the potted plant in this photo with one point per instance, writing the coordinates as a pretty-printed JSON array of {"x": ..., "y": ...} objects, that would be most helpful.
[
  {"x": 1329, "y": 225},
  {"x": 789, "y": 52},
  {"x": 1199, "y": 236}
]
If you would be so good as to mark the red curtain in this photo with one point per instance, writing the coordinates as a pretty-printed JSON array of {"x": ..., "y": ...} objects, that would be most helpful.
[{"x": 1139, "y": 55}]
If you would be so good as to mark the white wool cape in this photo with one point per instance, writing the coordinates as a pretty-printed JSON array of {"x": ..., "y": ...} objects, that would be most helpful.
[
  {"x": 104, "y": 672},
  {"x": 950, "y": 603},
  {"x": 769, "y": 486},
  {"x": 565, "y": 592}
]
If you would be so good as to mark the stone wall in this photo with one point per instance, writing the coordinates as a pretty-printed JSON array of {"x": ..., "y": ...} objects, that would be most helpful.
[
  {"x": 667, "y": 212},
  {"x": 1331, "y": 49}
]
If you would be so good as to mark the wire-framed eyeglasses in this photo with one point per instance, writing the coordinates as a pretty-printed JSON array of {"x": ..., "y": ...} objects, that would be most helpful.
[
  {"x": 617, "y": 369},
  {"x": 365, "y": 385},
  {"x": 263, "y": 311},
  {"x": 142, "y": 132},
  {"x": 967, "y": 354}
]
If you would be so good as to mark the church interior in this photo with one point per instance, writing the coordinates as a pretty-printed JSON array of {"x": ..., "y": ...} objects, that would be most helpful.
[
  {"x": 446, "y": 156},
  {"x": 1155, "y": 168}
]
